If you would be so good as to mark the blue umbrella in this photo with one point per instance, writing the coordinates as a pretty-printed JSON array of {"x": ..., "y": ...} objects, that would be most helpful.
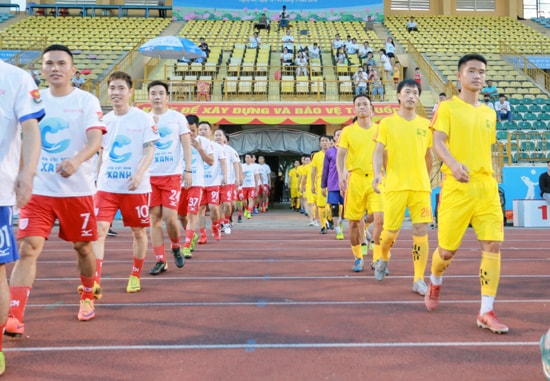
[{"x": 171, "y": 47}]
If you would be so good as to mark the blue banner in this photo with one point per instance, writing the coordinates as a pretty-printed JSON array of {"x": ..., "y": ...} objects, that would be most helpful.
[
  {"x": 521, "y": 183},
  {"x": 298, "y": 10}
]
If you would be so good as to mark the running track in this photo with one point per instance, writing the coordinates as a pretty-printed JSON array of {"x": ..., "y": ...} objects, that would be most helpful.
[{"x": 276, "y": 300}]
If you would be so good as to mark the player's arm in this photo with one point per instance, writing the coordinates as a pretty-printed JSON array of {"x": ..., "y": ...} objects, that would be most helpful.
[
  {"x": 185, "y": 140},
  {"x": 30, "y": 153},
  {"x": 148, "y": 154},
  {"x": 68, "y": 167},
  {"x": 224, "y": 171},
  {"x": 313, "y": 178},
  {"x": 459, "y": 170},
  {"x": 429, "y": 160},
  {"x": 377, "y": 164},
  {"x": 208, "y": 158},
  {"x": 237, "y": 168},
  {"x": 341, "y": 155}
]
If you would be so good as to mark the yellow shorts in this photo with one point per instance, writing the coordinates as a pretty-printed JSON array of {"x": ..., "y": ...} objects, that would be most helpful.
[
  {"x": 476, "y": 202},
  {"x": 360, "y": 197},
  {"x": 395, "y": 203},
  {"x": 294, "y": 192},
  {"x": 320, "y": 200},
  {"x": 310, "y": 197}
]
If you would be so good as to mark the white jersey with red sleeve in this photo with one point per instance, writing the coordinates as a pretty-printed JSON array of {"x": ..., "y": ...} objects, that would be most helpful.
[
  {"x": 123, "y": 150},
  {"x": 213, "y": 173},
  {"x": 197, "y": 164},
  {"x": 168, "y": 158},
  {"x": 19, "y": 101},
  {"x": 265, "y": 173},
  {"x": 249, "y": 171},
  {"x": 231, "y": 157},
  {"x": 258, "y": 170},
  {"x": 64, "y": 134}
]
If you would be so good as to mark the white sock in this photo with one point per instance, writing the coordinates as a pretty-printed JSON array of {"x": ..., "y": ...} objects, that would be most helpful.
[
  {"x": 436, "y": 280},
  {"x": 486, "y": 304}
]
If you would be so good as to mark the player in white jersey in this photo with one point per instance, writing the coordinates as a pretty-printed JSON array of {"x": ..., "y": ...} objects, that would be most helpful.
[
  {"x": 124, "y": 181},
  {"x": 166, "y": 175},
  {"x": 251, "y": 182},
  {"x": 228, "y": 191},
  {"x": 20, "y": 110},
  {"x": 215, "y": 176},
  {"x": 264, "y": 189},
  {"x": 63, "y": 187},
  {"x": 190, "y": 199}
]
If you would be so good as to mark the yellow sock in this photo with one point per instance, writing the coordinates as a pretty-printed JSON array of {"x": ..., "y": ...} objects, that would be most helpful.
[
  {"x": 439, "y": 265},
  {"x": 489, "y": 273},
  {"x": 357, "y": 253},
  {"x": 322, "y": 216},
  {"x": 376, "y": 252},
  {"x": 365, "y": 233},
  {"x": 387, "y": 240},
  {"x": 420, "y": 252}
]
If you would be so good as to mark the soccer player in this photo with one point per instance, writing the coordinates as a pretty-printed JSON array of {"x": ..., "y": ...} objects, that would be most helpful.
[
  {"x": 355, "y": 173},
  {"x": 251, "y": 181},
  {"x": 228, "y": 191},
  {"x": 330, "y": 187},
  {"x": 293, "y": 179},
  {"x": 305, "y": 187},
  {"x": 215, "y": 176},
  {"x": 406, "y": 138},
  {"x": 316, "y": 173},
  {"x": 124, "y": 181},
  {"x": 463, "y": 132},
  {"x": 20, "y": 104},
  {"x": 190, "y": 200},
  {"x": 166, "y": 175},
  {"x": 63, "y": 187},
  {"x": 265, "y": 187}
]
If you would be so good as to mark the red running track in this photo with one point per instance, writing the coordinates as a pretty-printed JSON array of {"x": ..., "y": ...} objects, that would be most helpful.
[{"x": 276, "y": 300}]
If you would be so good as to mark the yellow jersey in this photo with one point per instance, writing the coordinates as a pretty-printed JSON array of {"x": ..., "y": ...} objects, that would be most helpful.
[
  {"x": 470, "y": 133},
  {"x": 307, "y": 172},
  {"x": 360, "y": 145},
  {"x": 293, "y": 178},
  {"x": 406, "y": 143},
  {"x": 318, "y": 162}
]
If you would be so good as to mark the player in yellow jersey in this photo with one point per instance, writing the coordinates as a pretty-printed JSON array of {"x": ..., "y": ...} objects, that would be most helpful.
[
  {"x": 316, "y": 174},
  {"x": 293, "y": 181},
  {"x": 406, "y": 138},
  {"x": 308, "y": 195},
  {"x": 463, "y": 131},
  {"x": 301, "y": 195},
  {"x": 355, "y": 174}
]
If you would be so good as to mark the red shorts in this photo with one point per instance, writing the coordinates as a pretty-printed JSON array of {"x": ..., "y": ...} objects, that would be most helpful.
[
  {"x": 249, "y": 193},
  {"x": 77, "y": 221},
  {"x": 165, "y": 191},
  {"x": 133, "y": 207},
  {"x": 261, "y": 190},
  {"x": 211, "y": 195},
  {"x": 228, "y": 193},
  {"x": 190, "y": 200},
  {"x": 239, "y": 195}
]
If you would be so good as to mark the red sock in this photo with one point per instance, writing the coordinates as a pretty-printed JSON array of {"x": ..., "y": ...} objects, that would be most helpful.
[
  {"x": 188, "y": 238},
  {"x": 159, "y": 253},
  {"x": 18, "y": 301},
  {"x": 202, "y": 231},
  {"x": 2, "y": 330},
  {"x": 88, "y": 285},
  {"x": 175, "y": 242},
  {"x": 98, "y": 268},
  {"x": 138, "y": 264},
  {"x": 240, "y": 213}
]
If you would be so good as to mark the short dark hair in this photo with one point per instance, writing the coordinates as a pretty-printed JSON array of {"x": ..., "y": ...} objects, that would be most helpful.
[
  {"x": 205, "y": 122},
  {"x": 58, "y": 48},
  {"x": 409, "y": 83},
  {"x": 121, "y": 75},
  {"x": 157, "y": 83},
  {"x": 501, "y": 95},
  {"x": 471, "y": 57},
  {"x": 362, "y": 95},
  {"x": 442, "y": 94},
  {"x": 192, "y": 119}
]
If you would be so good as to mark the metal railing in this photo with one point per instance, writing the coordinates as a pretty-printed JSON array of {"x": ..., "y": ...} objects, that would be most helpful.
[{"x": 520, "y": 60}]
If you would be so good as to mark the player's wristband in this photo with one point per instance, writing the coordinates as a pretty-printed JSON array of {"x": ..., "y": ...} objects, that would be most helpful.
[{"x": 186, "y": 171}]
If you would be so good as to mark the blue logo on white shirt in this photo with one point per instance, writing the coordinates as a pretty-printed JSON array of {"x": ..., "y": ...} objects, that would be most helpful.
[
  {"x": 120, "y": 142},
  {"x": 161, "y": 144},
  {"x": 51, "y": 126}
]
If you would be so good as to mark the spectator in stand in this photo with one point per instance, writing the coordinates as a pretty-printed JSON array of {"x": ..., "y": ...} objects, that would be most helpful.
[
  {"x": 35, "y": 74},
  {"x": 418, "y": 76},
  {"x": 361, "y": 80},
  {"x": 377, "y": 87},
  {"x": 162, "y": 12},
  {"x": 488, "y": 103},
  {"x": 288, "y": 41},
  {"x": 369, "y": 25},
  {"x": 255, "y": 41},
  {"x": 77, "y": 80},
  {"x": 503, "y": 109},
  {"x": 490, "y": 89},
  {"x": 314, "y": 51},
  {"x": 337, "y": 43},
  {"x": 396, "y": 73},
  {"x": 301, "y": 64},
  {"x": 411, "y": 25},
  {"x": 341, "y": 58},
  {"x": 544, "y": 184},
  {"x": 353, "y": 47},
  {"x": 370, "y": 59},
  {"x": 204, "y": 47},
  {"x": 284, "y": 18},
  {"x": 390, "y": 49},
  {"x": 263, "y": 22},
  {"x": 442, "y": 97},
  {"x": 347, "y": 42},
  {"x": 386, "y": 64},
  {"x": 364, "y": 50},
  {"x": 286, "y": 60}
]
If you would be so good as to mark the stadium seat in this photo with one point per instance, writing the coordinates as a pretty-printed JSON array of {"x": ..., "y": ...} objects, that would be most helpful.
[
  {"x": 510, "y": 125},
  {"x": 539, "y": 125},
  {"x": 525, "y": 125}
]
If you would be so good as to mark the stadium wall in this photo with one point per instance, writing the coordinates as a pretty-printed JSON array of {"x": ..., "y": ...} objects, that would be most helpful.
[{"x": 510, "y": 8}]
